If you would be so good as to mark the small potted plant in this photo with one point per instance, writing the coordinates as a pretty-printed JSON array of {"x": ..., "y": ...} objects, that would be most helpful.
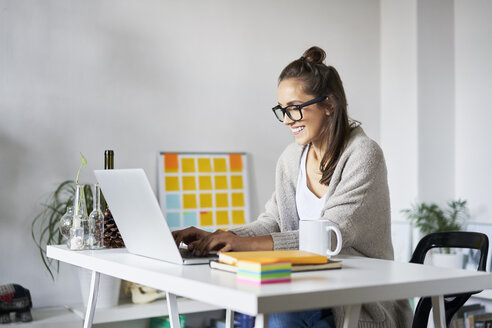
[
  {"x": 45, "y": 230},
  {"x": 430, "y": 217},
  {"x": 45, "y": 227}
]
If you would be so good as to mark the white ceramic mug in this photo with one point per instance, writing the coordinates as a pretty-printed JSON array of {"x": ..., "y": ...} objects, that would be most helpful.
[{"x": 315, "y": 237}]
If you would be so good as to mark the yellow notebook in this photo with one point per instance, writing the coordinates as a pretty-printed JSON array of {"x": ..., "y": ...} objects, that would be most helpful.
[
  {"x": 293, "y": 256},
  {"x": 331, "y": 264}
]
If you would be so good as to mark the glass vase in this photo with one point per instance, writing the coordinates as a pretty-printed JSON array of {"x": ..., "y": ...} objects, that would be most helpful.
[
  {"x": 96, "y": 222},
  {"x": 79, "y": 232},
  {"x": 66, "y": 222}
]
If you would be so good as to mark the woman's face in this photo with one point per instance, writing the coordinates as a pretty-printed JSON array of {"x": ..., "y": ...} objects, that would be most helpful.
[{"x": 308, "y": 129}]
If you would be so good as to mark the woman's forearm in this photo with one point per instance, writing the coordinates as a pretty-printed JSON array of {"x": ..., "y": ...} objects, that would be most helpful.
[{"x": 259, "y": 243}]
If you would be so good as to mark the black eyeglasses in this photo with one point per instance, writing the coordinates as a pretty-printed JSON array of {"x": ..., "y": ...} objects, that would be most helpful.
[{"x": 294, "y": 111}]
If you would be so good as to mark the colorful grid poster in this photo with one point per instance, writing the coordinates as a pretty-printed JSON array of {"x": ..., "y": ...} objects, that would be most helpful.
[{"x": 208, "y": 190}]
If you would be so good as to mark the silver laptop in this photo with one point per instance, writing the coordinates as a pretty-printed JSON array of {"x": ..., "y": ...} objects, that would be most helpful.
[{"x": 139, "y": 217}]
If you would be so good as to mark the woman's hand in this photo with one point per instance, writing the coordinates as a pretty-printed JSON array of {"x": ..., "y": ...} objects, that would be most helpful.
[
  {"x": 200, "y": 242},
  {"x": 225, "y": 241},
  {"x": 189, "y": 235},
  {"x": 221, "y": 241}
]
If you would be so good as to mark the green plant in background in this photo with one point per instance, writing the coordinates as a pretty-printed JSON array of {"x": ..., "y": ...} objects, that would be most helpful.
[
  {"x": 45, "y": 226},
  {"x": 429, "y": 218}
]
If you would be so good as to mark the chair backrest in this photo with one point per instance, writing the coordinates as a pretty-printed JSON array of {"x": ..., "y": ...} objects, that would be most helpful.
[{"x": 450, "y": 239}]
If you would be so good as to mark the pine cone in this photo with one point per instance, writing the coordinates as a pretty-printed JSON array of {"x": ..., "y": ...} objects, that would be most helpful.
[{"x": 112, "y": 236}]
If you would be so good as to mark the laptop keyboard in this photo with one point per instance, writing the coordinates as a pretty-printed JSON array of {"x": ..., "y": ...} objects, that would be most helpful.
[{"x": 186, "y": 254}]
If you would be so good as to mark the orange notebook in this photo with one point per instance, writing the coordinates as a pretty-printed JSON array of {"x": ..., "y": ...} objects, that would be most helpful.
[{"x": 293, "y": 256}]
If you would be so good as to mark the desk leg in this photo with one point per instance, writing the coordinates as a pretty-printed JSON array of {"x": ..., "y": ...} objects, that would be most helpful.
[
  {"x": 351, "y": 319},
  {"x": 261, "y": 320},
  {"x": 91, "y": 304},
  {"x": 172, "y": 309},
  {"x": 438, "y": 311},
  {"x": 229, "y": 323}
]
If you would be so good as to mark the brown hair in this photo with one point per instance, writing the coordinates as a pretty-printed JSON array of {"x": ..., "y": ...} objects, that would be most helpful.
[{"x": 319, "y": 80}]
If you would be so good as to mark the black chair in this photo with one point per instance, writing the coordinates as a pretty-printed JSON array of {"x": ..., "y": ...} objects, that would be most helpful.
[{"x": 451, "y": 239}]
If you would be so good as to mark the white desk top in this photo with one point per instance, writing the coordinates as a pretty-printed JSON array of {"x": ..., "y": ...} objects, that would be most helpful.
[{"x": 361, "y": 280}]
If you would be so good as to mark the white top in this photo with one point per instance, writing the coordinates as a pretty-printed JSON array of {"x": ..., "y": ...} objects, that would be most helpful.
[{"x": 309, "y": 206}]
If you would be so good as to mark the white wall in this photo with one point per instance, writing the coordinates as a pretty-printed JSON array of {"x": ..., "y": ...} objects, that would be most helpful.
[
  {"x": 143, "y": 76},
  {"x": 473, "y": 156},
  {"x": 399, "y": 111},
  {"x": 436, "y": 110},
  {"x": 436, "y": 77}
]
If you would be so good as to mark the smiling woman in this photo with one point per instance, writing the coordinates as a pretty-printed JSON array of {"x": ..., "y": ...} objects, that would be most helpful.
[
  {"x": 332, "y": 172},
  {"x": 309, "y": 77}
]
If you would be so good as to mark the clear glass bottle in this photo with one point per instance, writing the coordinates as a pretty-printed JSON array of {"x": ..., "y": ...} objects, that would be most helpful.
[
  {"x": 80, "y": 225},
  {"x": 66, "y": 222},
  {"x": 96, "y": 222}
]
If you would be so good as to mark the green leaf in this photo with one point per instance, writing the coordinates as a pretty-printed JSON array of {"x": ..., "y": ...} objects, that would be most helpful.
[{"x": 84, "y": 161}]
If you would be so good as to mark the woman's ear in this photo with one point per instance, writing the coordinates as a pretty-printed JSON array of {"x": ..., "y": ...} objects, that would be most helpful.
[{"x": 330, "y": 104}]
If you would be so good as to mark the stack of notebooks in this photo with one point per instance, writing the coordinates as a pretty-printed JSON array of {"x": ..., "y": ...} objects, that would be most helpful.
[
  {"x": 263, "y": 271},
  {"x": 300, "y": 260}
]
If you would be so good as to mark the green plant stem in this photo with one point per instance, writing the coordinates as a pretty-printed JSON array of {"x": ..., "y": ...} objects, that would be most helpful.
[{"x": 84, "y": 161}]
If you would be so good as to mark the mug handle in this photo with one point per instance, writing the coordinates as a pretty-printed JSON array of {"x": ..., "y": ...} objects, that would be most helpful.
[{"x": 337, "y": 232}]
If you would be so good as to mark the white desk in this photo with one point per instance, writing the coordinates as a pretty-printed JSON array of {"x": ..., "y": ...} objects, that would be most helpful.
[{"x": 361, "y": 280}]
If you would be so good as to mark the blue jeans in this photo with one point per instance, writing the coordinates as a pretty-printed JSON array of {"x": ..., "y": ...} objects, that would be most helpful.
[{"x": 312, "y": 319}]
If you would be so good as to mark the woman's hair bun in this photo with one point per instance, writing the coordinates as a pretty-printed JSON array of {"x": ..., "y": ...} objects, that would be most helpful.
[{"x": 314, "y": 55}]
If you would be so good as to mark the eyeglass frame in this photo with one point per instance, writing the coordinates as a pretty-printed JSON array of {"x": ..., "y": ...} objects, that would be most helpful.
[{"x": 297, "y": 107}]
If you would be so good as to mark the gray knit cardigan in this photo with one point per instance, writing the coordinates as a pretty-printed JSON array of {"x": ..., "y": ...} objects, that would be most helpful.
[{"x": 357, "y": 202}]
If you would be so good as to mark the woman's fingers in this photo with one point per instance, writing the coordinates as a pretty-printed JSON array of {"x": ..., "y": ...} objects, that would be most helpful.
[
  {"x": 200, "y": 242},
  {"x": 226, "y": 248},
  {"x": 201, "y": 246},
  {"x": 177, "y": 235},
  {"x": 214, "y": 241},
  {"x": 192, "y": 245},
  {"x": 189, "y": 235}
]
